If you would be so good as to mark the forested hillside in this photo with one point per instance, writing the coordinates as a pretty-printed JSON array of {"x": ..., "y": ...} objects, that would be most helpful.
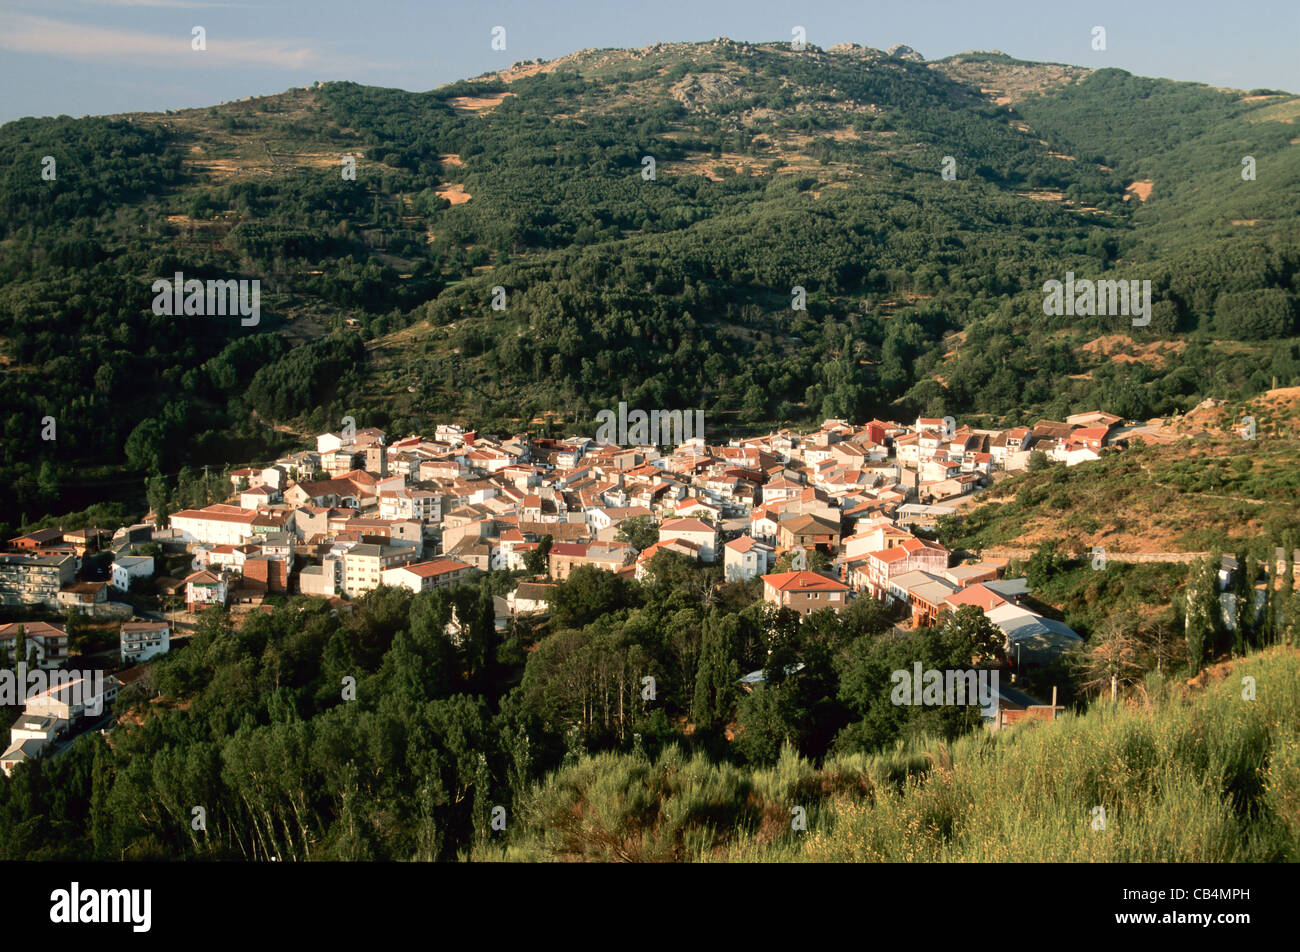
[{"x": 773, "y": 169}]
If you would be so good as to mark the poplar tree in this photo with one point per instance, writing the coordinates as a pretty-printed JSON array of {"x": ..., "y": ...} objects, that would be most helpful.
[
  {"x": 716, "y": 676},
  {"x": 1202, "y": 616}
]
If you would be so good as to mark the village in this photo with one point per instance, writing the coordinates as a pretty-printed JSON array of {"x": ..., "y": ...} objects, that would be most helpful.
[{"x": 819, "y": 518}]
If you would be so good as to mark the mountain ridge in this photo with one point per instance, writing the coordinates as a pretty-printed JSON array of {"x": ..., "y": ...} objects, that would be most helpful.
[{"x": 773, "y": 169}]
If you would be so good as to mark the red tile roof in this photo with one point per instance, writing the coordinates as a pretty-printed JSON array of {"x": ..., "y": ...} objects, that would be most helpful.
[
  {"x": 436, "y": 567},
  {"x": 803, "y": 582}
]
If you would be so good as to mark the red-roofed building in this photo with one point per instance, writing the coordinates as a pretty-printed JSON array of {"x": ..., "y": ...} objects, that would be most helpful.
[
  {"x": 48, "y": 643},
  {"x": 877, "y": 568},
  {"x": 979, "y": 595},
  {"x": 805, "y": 592},
  {"x": 426, "y": 576}
]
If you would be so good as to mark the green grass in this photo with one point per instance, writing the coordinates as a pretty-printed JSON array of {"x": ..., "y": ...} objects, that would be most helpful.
[{"x": 1209, "y": 778}]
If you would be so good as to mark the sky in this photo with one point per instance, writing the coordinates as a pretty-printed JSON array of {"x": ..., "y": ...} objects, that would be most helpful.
[{"x": 97, "y": 57}]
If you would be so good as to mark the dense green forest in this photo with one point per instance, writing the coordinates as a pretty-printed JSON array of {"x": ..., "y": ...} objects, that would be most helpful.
[{"x": 773, "y": 170}]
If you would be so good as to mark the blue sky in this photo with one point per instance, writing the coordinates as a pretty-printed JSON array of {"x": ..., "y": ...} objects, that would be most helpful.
[{"x": 92, "y": 57}]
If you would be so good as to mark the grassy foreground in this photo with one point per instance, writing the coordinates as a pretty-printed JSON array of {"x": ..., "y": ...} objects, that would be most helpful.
[{"x": 1197, "y": 775}]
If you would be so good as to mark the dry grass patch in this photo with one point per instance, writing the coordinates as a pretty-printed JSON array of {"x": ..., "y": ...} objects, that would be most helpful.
[
  {"x": 455, "y": 194},
  {"x": 477, "y": 104}
]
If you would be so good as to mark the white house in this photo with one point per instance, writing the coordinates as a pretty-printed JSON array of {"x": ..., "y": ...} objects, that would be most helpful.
[
  {"x": 780, "y": 490},
  {"x": 273, "y": 476},
  {"x": 763, "y": 524},
  {"x": 142, "y": 640},
  {"x": 73, "y": 697},
  {"x": 601, "y": 518},
  {"x": 408, "y": 503},
  {"x": 530, "y": 597},
  {"x": 46, "y": 644},
  {"x": 506, "y": 554},
  {"x": 697, "y": 509},
  {"x": 40, "y": 727},
  {"x": 128, "y": 567},
  {"x": 691, "y": 530},
  {"x": 218, "y": 524},
  {"x": 745, "y": 558},
  {"x": 261, "y": 495},
  {"x": 19, "y": 751}
]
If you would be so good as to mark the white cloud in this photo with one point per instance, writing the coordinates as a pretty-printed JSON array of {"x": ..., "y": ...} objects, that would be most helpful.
[
  {"x": 168, "y": 4},
  {"x": 21, "y": 33}
]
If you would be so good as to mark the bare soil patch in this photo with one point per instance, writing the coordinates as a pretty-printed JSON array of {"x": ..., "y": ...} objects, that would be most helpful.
[
  {"x": 1141, "y": 189},
  {"x": 1121, "y": 349},
  {"x": 477, "y": 104},
  {"x": 455, "y": 194}
]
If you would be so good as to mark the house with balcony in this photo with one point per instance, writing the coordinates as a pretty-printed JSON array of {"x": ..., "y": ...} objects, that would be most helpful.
[
  {"x": 35, "y": 579},
  {"x": 142, "y": 640},
  {"x": 46, "y": 644},
  {"x": 204, "y": 588}
]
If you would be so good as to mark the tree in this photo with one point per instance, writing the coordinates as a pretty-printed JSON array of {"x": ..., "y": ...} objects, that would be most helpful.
[
  {"x": 1202, "y": 613},
  {"x": 971, "y": 635},
  {"x": 1164, "y": 645},
  {"x": 535, "y": 560},
  {"x": 717, "y": 673},
  {"x": 1114, "y": 657},
  {"x": 1243, "y": 591},
  {"x": 156, "y": 494},
  {"x": 814, "y": 560},
  {"x": 1038, "y": 461},
  {"x": 20, "y": 645},
  {"x": 868, "y": 616},
  {"x": 639, "y": 531},
  {"x": 1287, "y": 616},
  {"x": 587, "y": 594},
  {"x": 145, "y": 447},
  {"x": 47, "y": 480},
  {"x": 948, "y": 529},
  {"x": 1044, "y": 565},
  {"x": 767, "y": 721},
  {"x": 75, "y": 625}
]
